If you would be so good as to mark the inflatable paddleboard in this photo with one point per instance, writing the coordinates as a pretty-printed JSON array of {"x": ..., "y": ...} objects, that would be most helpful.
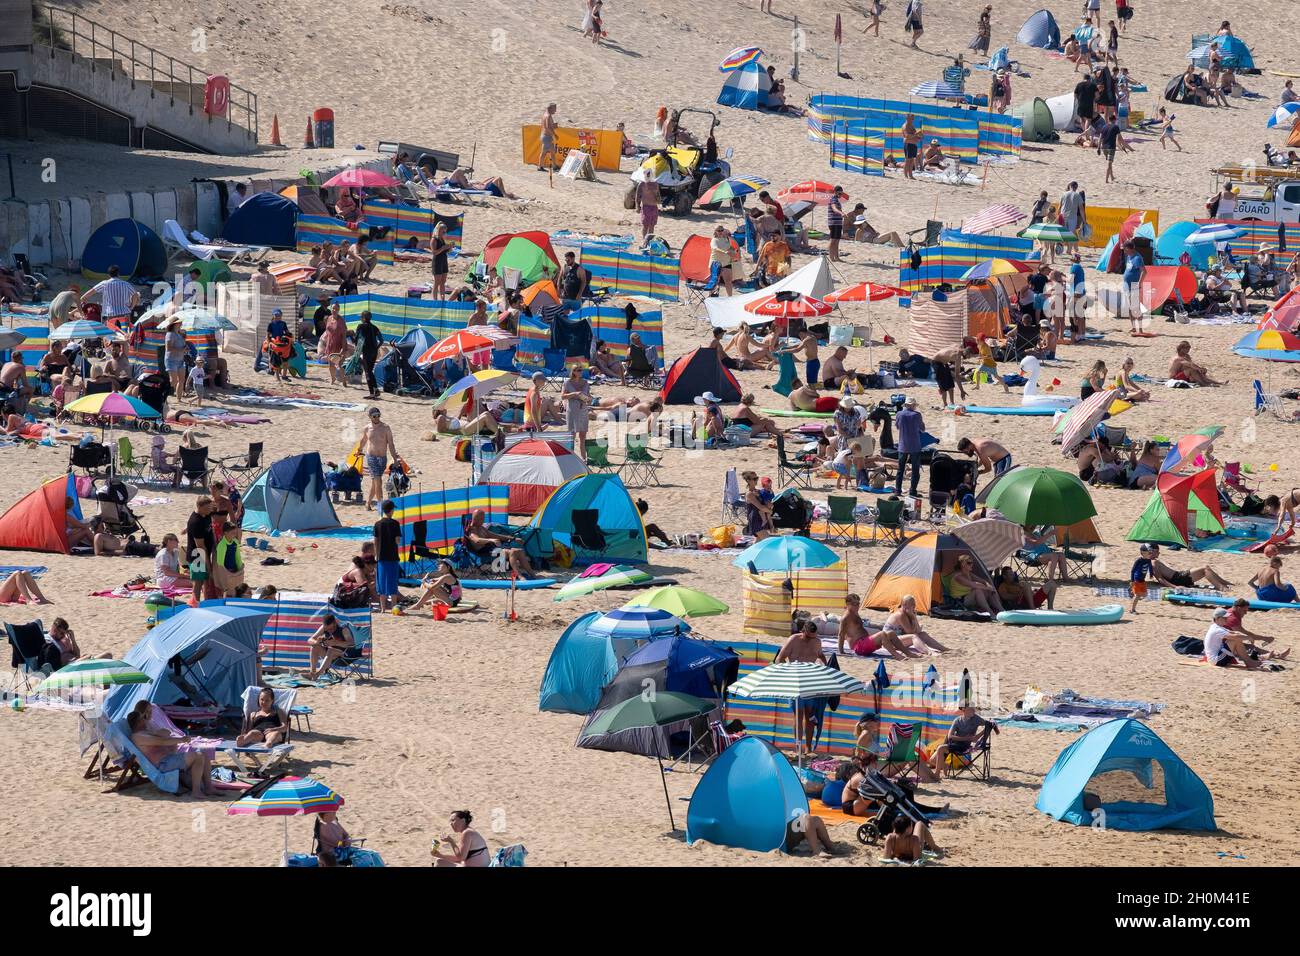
[
  {"x": 794, "y": 413},
  {"x": 1223, "y": 600},
  {"x": 494, "y": 584},
  {"x": 1037, "y": 410},
  {"x": 1104, "y": 614}
]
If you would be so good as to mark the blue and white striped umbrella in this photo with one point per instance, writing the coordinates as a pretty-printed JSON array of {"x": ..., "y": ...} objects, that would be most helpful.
[
  {"x": 82, "y": 329},
  {"x": 637, "y": 623},
  {"x": 1214, "y": 232},
  {"x": 938, "y": 90},
  {"x": 1284, "y": 115}
]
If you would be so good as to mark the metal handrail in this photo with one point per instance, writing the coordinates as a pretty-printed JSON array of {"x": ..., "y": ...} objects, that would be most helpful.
[{"x": 125, "y": 55}]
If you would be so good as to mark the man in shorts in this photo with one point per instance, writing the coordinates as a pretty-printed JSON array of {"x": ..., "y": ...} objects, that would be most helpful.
[
  {"x": 854, "y": 632},
  {"x": 546, "y": 159},
  {"x": 376, "y": 445},
  {"x": 388, "y": 539},
  {"x": 911, "y": 146},
  {"x": 1170, "y": 578},
  {"x": 968, "y": 729}
]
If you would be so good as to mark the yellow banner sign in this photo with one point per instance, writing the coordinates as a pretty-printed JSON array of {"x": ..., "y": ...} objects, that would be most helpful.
[
  {"x": 1106, "y": 220},
  {"x": 604, "y": 145}
]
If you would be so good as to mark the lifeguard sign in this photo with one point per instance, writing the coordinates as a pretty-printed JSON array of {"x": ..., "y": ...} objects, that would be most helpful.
[{"x": 216, "y": 95}]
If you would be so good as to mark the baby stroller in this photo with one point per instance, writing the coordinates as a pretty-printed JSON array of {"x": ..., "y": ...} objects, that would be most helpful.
[
  {"x": 115, "y": 514},
  {"x": 890, "y": 800},
  {"x": 791, "y": 510},
  {"x": 154, "y": 389},
  {"x": 397, "y": 480}
]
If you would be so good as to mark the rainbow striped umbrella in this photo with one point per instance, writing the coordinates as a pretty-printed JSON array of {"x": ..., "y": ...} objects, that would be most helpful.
[
  {"x": 287, "y": 797},
  {"x": 739, "y": 57},
  {"x": 83, "y": 329},
  {"x": 479, "y": 382},
  {"x": 1273, "y": 345},
  {"x": 731, "y": 188},
  {"x": 995, "y": 267},
  {"x": 111, "y": 405}
]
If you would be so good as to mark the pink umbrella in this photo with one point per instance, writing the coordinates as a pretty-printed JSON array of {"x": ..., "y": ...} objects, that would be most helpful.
[{"x": 356, "y": 178}]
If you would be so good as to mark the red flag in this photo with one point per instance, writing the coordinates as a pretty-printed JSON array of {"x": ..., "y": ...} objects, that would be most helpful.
[{"x": 839, "y": 29}]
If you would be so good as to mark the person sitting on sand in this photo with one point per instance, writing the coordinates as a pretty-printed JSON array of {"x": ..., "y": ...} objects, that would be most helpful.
[
  {"x": 1144, "y": 469},
  {"x": 162, "y": 751},
  {"x": 749, "y": 353},
  {"x": 905, "y": 622},
  {"x": 853, "y": 631},
  {"x": 909, "y": 841},
  {"x": 468, "y": 848},
  {"x": 1234, "y": 621},
  {"x": 1016, "y": 594},
  {"x": 652, "y": 531},
  {"x": 1225, "y": 647},
  {"x": 1172, "y": 578},
  {"x": 441, "y": 587},
  {"x": 1268, "y": 584},
  {"x": 20, "y": 587},
  {"x": 975, "y": 593},
  {"x": 805, "y": 827},
  {"x": 968, "y": 729},
  {"x": 80, "y": 531},
  {"x": 331, "y": 641},
  {"x": 604, "y": 363},
  {"x": 167, "y": 566},
  {"x": 933, "y": 157},
  {"x": 485, "y": 544},
  {"x": 745, "y": 413},
  {"x": 268, "y": 725},
  {"x": 360, "y": 577},
  {"x": 758, "y": 511},
  {"x": 1183, "y": 369},
  {"x": 1129, "y": 390}
]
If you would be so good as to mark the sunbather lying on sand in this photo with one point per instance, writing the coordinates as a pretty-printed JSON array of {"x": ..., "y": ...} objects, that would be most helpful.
[
  {"x": 17, "y": 426},
  {"x": 493, "y": 184},
  {"x": 445, "y": 424},
  {"x": 21, "y": 587},
  {"x": 630, "y": 409}
]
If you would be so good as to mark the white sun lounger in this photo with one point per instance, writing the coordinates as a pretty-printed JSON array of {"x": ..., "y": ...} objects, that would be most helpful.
[{"x": 174, "y": 237}]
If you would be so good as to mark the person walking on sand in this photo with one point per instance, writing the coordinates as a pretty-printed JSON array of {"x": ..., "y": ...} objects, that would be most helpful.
[
  {"x": 1166, "y": 121},
  {"x": 913, "y": 24},
  {"x": 835, "y": 222},
  {"x": 368, "y": 339},
  {"x": 1110, "y": 140},
  {"x": 983, "y": 31},
  {"x": 377, "y": 445},
  {"x": 546, "y": 159},
  {"x": 597, "y": 22},
  {"x": 647, "y": 203},
  {"x": 874, "y": 10}
]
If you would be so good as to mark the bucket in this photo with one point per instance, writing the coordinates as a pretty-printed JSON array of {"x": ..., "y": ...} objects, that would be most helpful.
[{"x": 439, "y": 611}]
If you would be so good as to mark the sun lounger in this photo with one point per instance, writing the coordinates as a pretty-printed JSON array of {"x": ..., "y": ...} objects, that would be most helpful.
[
  {"x": 132, "y": 766},
  {"x": 173, "y": 236},
  {"x": 255, "y": 760}
]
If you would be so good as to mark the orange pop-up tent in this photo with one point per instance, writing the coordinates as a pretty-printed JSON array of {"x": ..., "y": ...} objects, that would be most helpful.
[{"x": 37, "y": 521}]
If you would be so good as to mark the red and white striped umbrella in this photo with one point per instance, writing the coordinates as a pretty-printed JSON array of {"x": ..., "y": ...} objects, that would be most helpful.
[
  {"x": 865, "y": 292},
  {"x": 787, "y": 306},
  {"x": 1084, "y": 417},
  {"x": 994, "y": 217},
  {"x": 462, "y": 342},
  {"x": 810, "y": 190}
]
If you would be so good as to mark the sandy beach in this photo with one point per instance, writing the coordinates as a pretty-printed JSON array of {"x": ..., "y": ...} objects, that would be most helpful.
[{"x": 450, "y": 719}]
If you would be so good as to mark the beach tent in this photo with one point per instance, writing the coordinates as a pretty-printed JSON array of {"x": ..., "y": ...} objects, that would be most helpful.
[
  {"x": 529, "y": 253},
  {"x": 746, "y": 88},
  {"x": 1039, "y": 126},
  {"x": 1161, "y": 284},
  {"x": 1112, "y": 254},
  {"x": 533, "y": 469},
  {"x": 620, "y": 521},
  {"x": 1062, "y": 110},
  {"x": 1172, "y": 243},
  {"x": 264, "y": 219},
  {"x": 1118, "y": 763},
  {"x": 1284, "y": 314},
  {"x": 746, "y": 799},
  {"x": 395, "y": 370},
  {"x": 307, "y": 199},
  {"x": 1179, "y": 506},
  {"x": 580, "y": 666},
  {"x": 1233, "y": 50},
  {"x": 1040, "y": 30},
  {"x": 694, "y": 265},
  {"x": 685, "y": 665},
  {"x": 290, "y": 496},
  {"x": 695, "y": 373},
  {"x": 210, "y": 271},
  {"x": 35, "y": 522},
  {"x": 918, "y": 567},
  {"x": 1293, "y": 138},
  {"x": 133, "y": 247},
  {"x": 215, "y": 650},
  {"x": 728, "y": 311}
]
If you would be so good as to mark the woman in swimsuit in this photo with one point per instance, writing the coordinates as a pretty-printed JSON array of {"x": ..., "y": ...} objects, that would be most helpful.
[
  {"x": 1095, "y": 380},
  {"x": 442, "y": 586},
  {"x": 21, "y": 587},
  {"x": 975, "y": 594},
  {"x": 469, "y": 850},
  {"x": 744, "y": 412},
  {"x": 327, "y": 645},
  {"x": 1146, "y": 468},
  {"x": 332, "y": 841},
  {"x": 268, "y": 725},
  {"x": 1128, "y": 389}
]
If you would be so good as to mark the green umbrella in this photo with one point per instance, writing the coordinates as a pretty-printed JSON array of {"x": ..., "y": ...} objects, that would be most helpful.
[
  {"x": 617, "y": 576},
  {"x": 1048, "y": 232},
  {"x": 93, "y": 673},
  {"x": 678, "y": 600},
  {"x": 664, "y": 707},
  {"x": 1040, "y": 496}
]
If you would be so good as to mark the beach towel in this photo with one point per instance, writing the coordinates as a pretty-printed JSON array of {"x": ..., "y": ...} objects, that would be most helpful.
[
  {"x": 140, "y": 590},
  {"x": 832, "y": 815},
  {"x": 293, "y": 680},
  {"x": 35, "y": 570},
  {"x": 286, "y": 401}
]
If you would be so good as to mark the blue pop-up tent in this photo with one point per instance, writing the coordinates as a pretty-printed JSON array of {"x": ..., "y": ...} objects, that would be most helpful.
[
  {"x": 1040, "y": 30},
  {"x": 1124, "y": 758},
  {"x": 620, "y": 521},
  {"x": 208, "y": 655},
  {"x": 133, "y": 247},
  {"x": 580, "y": 666},
  {"x": 746, "y": 88},
  {"x": 747, "y": 798},
  {"x": 1173, "y": 243},
  {"x": 1234, "y": 53},
  {"x": 686, "y": 665},
  {"x": 263, "y": 219},
  {"x": 290, "y": 496}
]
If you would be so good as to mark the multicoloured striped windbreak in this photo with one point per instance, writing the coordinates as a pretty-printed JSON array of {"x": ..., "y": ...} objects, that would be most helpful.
[
  {"x": 956, "y": 252},
  {"x": 855, "y": 149},
  {"x": 289, "y": 796},
  {"x": 146, "y": 352},
  {"x": 911, "y": 698},
  {"x": 767, "y": 606},
  {"x": 629, "y": 274},
  {"x": 35, "y": 344},
  {"x": 396, "y": 315},
  {"x": 328, "y": 231},
  {"x": 1256, "y": 233},
  {"x": 411, "y": 222},
  {"x": 296, "y": 617},
  {"x": 971, "y": 132},
  {"x": 437, "y": 518},
  {"x": 609, "y": 325}
]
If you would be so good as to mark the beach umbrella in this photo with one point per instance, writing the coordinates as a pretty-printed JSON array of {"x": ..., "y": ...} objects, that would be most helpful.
[
  {"x": 991, "y": 268},
  {"x": 1185, "y": 451},
  {"x": 785, "y": 552},
  {"x": 654, "y": 710},
  {"x": 1041, "y": 496},
  {"x": 810, "y": 190},
  {"x": 10, "y": 338},
  {"x": 480, "y": 383},
  {"x": 358, "y": 178},
  {"x": 93, "y": 673},
  {"x": 796, "y": 680},
  {"x": 637, "y": 623},
  {"x": 1283, "y": 314},
  {"x": 1048, "y": 232},
  {"x": 789, "y": 305},
  {"x": 739, "y": 57},
  {"x": 1284, "y": 115},
  {"x": 994, "y": 217},
  {"x": 197, "y": 319},
  {"x": 679, "y": 600},
  {"x": 1080, "y": 421},
  {"x": 992, "y": 539},
  {"x": 1272, "y": 345},
  {"x": 865, "y": 292},
  {"x": 938, "y": 90},
  {"x": 286, "y": 797},
  {"x": 604, "y": 576},
  {"x": 111, "y": 405},
  {"x": 1214, "y": 232},
  {"x": 458, "y": 343},
  {"x": 733, "y": 187},
  {"x": 82, "y": 329}
]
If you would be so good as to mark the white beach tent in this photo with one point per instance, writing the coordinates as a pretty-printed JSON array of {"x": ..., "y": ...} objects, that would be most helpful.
[{"x": 727, "y": 312}]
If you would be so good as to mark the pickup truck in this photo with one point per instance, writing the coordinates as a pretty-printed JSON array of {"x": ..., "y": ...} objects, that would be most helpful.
[{"x": 1276, "y": 203}]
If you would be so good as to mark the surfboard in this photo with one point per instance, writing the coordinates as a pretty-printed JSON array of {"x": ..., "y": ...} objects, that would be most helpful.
[
  {"x": 1103, "y": 614},
  {"x": 1036, "y": 410},
  {"x": 1224, "y": 600}
]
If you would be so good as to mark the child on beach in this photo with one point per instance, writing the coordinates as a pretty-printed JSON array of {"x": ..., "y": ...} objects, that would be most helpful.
[
  {"x": 199, "y": 380},
  {"x": 1166, "y": 121}
]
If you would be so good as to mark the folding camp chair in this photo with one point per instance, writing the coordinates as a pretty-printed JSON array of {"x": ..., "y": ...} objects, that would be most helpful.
[
  {"x": 733, "y": 502},
  {"x": 28, "y": 655},
  {"x": 842, "y": 522},
  {"x": 127, "y": 465},
  {"x": 887, "y": 521},
  {"x": 1271, "y": 403},
  {"x": 902, "y": 757},
  {"x": 93, "y": 458},
  {"x": 721, "y": 738},
  {"x": 598, "y": 457},
  {"x": 930, "y": 235},
  {"x": 233, "y": 469},
  {"x": 697, "y": 292},
  {"x": 194, "y": 466},
  {"x": 351, "y": 666},
  {"x": 639, "y": 468},
  {"x": 973, "y": 763},
  {"x": 1078, "y": 563},
  {"x": 587, "y": 536},
  {"x": 790, "y": 472}
]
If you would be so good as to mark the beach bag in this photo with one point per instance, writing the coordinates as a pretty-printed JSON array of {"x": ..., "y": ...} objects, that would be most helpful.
[
  {"x": 347, "y": 596},
  {"x": 1189, "y": 646},
  {"x": 462, "y": 452},
  {"x": 724, "y": 536},
  {"x": 563, "y": 555}
]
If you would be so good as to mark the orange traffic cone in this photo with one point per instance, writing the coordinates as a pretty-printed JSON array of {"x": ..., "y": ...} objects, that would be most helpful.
[
  {"x": 307, "y": 140},
  {"x": 275, "y": 130}
]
